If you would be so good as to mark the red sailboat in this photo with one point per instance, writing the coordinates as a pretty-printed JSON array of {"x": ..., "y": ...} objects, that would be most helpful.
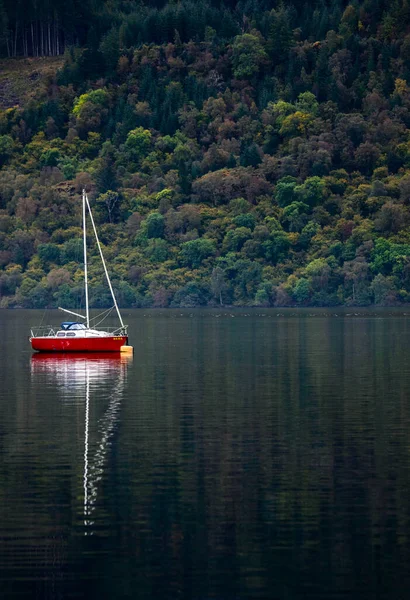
[{"x": 76, "y": 336}]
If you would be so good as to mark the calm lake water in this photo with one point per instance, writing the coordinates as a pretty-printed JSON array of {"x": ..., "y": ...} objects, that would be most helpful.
[{"x": 238, "y": 455}]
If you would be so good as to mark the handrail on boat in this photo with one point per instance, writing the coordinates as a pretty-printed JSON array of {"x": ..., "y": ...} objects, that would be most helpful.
[
  {"x": 42, "y": 331},
  {"x": 49, "y": 331}
]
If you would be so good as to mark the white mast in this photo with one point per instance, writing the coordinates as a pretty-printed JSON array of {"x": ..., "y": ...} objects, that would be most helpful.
[
  {"x": 103, "y": 262},
  {"x": 87, "y": 313}
]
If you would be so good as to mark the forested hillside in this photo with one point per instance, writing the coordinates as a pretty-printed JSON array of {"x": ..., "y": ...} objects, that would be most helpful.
[{"x": 245, "y": 153}]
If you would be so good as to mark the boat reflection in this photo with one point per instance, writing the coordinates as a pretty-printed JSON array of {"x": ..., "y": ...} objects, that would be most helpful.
[
  {"x": 92, "y": 377},
  {"x": 72, "y": 368}
]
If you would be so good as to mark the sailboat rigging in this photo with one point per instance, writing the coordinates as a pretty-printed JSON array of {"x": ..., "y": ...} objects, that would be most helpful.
[{"x": 75, "y": 336}]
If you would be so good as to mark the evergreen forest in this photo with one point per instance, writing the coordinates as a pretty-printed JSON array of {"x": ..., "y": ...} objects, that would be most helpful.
[{"x": 251, "y": 153}]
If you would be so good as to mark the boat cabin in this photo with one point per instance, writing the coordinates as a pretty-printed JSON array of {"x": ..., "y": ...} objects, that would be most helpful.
[
  {"x": 75, "y": 329},
  {"x": 72, "y": 325},
  {"x": 72, "y": 329}
]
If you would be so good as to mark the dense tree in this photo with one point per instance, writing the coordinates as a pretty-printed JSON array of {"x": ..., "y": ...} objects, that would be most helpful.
[
  {"x": 248, "y": 55},
  {"x": 250, "y": 154},
  {"x": 194, "y": 252}
]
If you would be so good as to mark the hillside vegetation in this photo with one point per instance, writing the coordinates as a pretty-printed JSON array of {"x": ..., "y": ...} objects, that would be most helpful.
[{"x": 244, "y": 153}]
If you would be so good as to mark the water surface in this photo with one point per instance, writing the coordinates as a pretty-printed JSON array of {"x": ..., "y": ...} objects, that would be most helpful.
[{"x": 238, "y": 455}]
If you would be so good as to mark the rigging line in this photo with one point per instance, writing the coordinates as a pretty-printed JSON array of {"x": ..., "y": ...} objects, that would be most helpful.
[
  {"x": 42, "y": 318},
  {"x": 101, "y": 313},
  {"x": 103, "y": 319}
]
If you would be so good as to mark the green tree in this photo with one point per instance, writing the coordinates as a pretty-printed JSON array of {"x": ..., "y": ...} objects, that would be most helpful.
[
  {"x": 50, "y": 157},
  {"x": 72, "y": 250},
  {"x": 91, "y": 110},
  {"x": 138, "y": 142},
  {"x": 247, "y": 220},
  {"x": 251, "y": 156},
  {"x": 276, "y": 247},
  {"x": 383, "y": 289},
  {"x": 235, "y": 239},
  {"x": 49, "y": 253},
  {"x": 6, "y": 148},
  {"x": 110, "y": 49},
  {"x": 154, "y": 225},
  {"x": 157, "y": 250},
  {"x": 98, "y": 98},
  {"x": 190, "y": 296},
  {"x": 65, "y": 296},
  {"x": 248, "y": 55},
  {"x": 294, "y": 216},
  {"x": 280, "y": 34},
  {"x": 194, "y": 252},
  {"x": 302, "y": 290},
  {"x": 313, "y": 191},
  {"x": 285, "y": 190},
  {"x": 105, "y": 172},
  {"x": 307, "y": 103}
]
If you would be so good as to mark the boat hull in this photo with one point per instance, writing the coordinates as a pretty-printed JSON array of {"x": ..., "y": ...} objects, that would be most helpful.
[{"x": 79, "y": 344}]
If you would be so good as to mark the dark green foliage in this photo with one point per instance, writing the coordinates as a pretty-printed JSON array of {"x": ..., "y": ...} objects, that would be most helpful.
[
  {"x": 49, "y": 253},
  {"x": 71, "y": 250},
  {"x": 250, "y": 154},
  {"x": 191, "y": 295},
  {"x": 247, "y": 220},
  {"x": 276, "y": 247},
  {"x": 157, "y": 250},
  {"x": 248, "y": 55},
  {"x": 154, "y": 225},
  {"x": 196, "y": 251},
  {"x": 280, "y": 38},
  {"x": 6, "y": 148},
  {"x": 285, "y": 190}
]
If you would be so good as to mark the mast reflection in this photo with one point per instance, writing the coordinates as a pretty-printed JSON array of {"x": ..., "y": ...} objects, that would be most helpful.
[{"x": 84, "y": 375}]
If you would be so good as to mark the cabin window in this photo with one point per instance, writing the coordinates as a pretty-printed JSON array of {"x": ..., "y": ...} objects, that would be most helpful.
[
  {"x": 61, "y": 334},
  {"x": 72, "y": 325},
  {"x": 70, "y": 334}
]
